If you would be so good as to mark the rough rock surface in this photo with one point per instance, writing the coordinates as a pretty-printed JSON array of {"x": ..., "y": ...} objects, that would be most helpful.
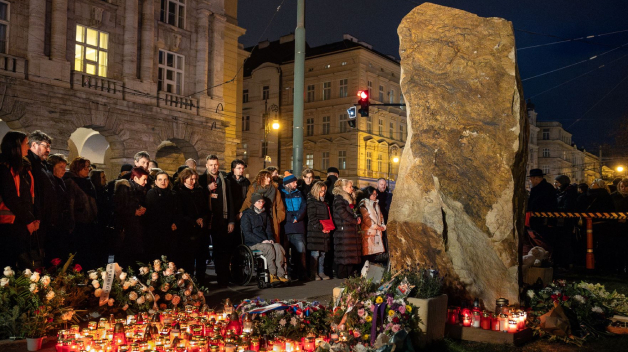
[{"x": 459, "y": 199}]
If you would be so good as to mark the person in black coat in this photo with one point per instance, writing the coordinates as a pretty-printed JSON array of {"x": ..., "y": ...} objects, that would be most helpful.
[
  {"x": 45, "y": 194},
  {"x": 194, "y": 222},
  {"x": 17, "y": 218},
  {"x": 542, "y": 199},
  {"x": 332, "y": 176},
  {"x": 161, "y": 220},
  {"x": 61, "y": 219},
  {"x": 257, "y": 230},
  {"x": 347, "y": 239},
  {"x": 239, "y": 186},
  {"x": 318, "y": 240},
  {"x": 216, "y": 186},
  {"x": 306, "y": 182},
  {"x": 566, "y": 201},
  {"x": 620, "y": 199},
  {"x": 600, "y": 201},
  {"x": 129, "y": 198}
]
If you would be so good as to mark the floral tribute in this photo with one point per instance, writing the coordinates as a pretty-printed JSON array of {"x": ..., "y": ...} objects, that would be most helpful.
[
  {"x": 579, "y": 310},
  {"x": 157, "y": 286}
]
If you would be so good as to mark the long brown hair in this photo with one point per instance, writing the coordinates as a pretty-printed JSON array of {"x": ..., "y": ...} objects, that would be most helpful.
[{"x": 259, "y": 179}]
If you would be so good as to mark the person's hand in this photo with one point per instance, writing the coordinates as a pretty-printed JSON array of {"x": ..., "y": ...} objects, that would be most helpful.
[
  {"x": 230, "y": 227},
  {"x": 140, "y": 211},
  {"x": 294, "y": 221},
  {"x": 266, "y": 241},
  {"x": 37, "y": 223},
  {"x": 239, "y": 216},
  {"x": 212, "y": 186},
  {"x": 32, "y": 227},
  {"x": 325, "y": 231},
  {"x": 173, "y": 227},
  {"x": 359, "y": 221},
  {"x": 199, "y": 221}
]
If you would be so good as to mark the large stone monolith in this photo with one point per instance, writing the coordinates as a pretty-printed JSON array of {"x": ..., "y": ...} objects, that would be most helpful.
[{"x": 459, "y": 199}]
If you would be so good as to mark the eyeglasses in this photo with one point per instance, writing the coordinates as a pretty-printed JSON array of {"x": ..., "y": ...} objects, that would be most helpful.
[{"x": 44, "y": 145}]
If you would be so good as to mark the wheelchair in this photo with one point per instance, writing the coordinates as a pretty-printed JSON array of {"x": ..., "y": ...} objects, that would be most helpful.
[{"x": 245, "y": 262}]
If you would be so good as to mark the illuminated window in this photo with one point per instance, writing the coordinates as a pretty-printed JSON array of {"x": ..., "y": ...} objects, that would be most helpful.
[
  {"x": 170, "y": 72},
  {"x": 173, "y": 12},
  {"x": 309, "y": 161},
  {"x": 91, "y": 51},
  {"x": 368, "y": 161}
]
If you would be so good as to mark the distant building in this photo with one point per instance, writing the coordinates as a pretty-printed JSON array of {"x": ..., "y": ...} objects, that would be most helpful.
[{"x": 333, "y": 75}]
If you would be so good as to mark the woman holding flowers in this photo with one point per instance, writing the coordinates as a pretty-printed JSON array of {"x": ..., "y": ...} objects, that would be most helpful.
[{"x": 17, "y": 191}]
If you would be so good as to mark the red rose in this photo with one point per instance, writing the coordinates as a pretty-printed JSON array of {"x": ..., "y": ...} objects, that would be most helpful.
[
  {"x": 78, "y": 268},
  {"x": 554, "y": 297},
  {"x": 565, "y": 298},
  {"x": 56, "y": 261},
  {"x": 396, "y": 320}
]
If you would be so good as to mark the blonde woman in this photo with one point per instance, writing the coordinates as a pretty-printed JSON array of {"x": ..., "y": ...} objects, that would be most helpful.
[
  {"x": 318, "y": 238},
  {"x": 347, "y": 240}
]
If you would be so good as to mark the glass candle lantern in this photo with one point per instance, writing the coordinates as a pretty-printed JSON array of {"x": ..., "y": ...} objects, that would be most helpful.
[
  {"x": 512, "y": 326},
  {"x": 501, "y": 306},
  {"x": 452, "y": 315},
  {"x": 485, "y": 321},
  {"x": 495, "y": 322},
  {"x": 466, "y": 320},
  {"x": 476, "y": 319},
  {"x": 503, "y": 322}
]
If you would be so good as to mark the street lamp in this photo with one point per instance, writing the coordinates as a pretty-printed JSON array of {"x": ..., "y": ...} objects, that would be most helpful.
[
  {"x": 267, "y": 128},
  {"x": 620, "y": 169},
  {"x": 395, "y": 160}
]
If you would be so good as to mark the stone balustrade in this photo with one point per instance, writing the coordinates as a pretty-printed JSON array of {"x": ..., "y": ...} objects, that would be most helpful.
[
  {"x": 177, "y": 102},
  {"x": 83, "y": 81},
  {"x": 13, "y": 66}
]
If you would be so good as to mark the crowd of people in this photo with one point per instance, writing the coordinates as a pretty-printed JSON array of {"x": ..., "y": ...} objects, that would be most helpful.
[
  {"x": 564, "y": 237},
  {"x": 306, "y": 228}
]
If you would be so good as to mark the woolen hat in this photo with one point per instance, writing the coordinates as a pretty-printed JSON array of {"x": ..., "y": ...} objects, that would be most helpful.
[
  {"x": 126, "y": 167},
  {"x": 255, "y": 197},
  {"x": 536, "y": 172},
  {"x": 333, "y": 169},
  {"x": 288, "y": 177},
  {"x": 563, "y": 180}
]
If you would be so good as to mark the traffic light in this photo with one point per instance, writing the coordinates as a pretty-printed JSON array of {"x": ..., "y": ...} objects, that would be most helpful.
[
  {"x": 364, "y": 103},
  {"x": 352, "y": 116}
]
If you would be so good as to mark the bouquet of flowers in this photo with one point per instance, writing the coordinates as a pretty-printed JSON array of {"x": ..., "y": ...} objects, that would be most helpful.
[
  {"x": 588, "y": 307},
  {"x": 292, "y": 319},
  {"x": 156, "y": 287}
]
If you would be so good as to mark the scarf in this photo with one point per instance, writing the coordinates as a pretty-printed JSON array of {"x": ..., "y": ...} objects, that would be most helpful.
[
  {"x": 258, "y": 211},
  {"x": 225, "y": 213},
  {"x": 269, "y": 192},
  {"x": 348, "y": 197}
]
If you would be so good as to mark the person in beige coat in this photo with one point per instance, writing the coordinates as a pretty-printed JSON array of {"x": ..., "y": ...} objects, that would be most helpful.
[
  {"x": 372, "y": 223},
  {"x": 272, "y": 197}
]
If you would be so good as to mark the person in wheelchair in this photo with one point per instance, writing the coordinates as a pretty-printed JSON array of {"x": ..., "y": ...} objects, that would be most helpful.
[{"x": 258, "y": 235}]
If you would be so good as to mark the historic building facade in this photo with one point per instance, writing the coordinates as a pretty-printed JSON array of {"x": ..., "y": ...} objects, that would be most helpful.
[
  {"x": 334, "y": 73},
  {"x": 123, "y": 75}
]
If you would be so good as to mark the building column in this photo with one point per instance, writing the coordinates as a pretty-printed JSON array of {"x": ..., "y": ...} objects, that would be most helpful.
[
  {"x": 202, "y": 51},
  {"x": 59, "y": 30},
  {"x": 217, "y": 49},
  {"x": 129, "y": 67},
  {"x": 36, "y": 30},
  {"x": 148, "y": 39}
]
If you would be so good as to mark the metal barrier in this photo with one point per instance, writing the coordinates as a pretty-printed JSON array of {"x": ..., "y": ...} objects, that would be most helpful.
[{"x": 590, "y": 258}]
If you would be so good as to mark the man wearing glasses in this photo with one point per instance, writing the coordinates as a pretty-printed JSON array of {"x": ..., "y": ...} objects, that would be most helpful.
[{"x": 45, "y": 193}]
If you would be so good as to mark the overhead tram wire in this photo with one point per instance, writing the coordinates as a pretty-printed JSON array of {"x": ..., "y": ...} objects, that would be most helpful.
[
  {"x": 574, "y": 64},
  {"x": 244, "y": 62},
  {"x": 584, "y": 74},
  {"x": 599, "y": 101},
  {"x": 581, "y": 39}
]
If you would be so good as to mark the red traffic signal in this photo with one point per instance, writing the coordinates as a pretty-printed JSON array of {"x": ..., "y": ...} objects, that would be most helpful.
[{"x": 364, "y": 102}]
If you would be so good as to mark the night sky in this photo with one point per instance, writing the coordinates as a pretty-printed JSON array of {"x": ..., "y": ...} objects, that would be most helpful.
[{"x": 589, "y": 106}]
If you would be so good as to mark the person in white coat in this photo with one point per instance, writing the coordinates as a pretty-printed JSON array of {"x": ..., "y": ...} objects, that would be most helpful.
[{"x": 372, "y": 224}]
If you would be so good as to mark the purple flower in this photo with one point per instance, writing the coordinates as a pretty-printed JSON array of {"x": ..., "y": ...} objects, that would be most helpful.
[
  {"x": 402, "y": 309},
  {"x": 389, "y": 300}
]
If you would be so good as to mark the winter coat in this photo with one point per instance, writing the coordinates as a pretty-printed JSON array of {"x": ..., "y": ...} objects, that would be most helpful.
[
  {"x": 128, "y": 197},
  {"x": 239, "y": 188},
  {"x": 61, "y": 218},
  {"x": 16, "y": 205},
  {"x": 329, "y": 196},
  {"x": 542, "y": 199},
  {"x": 274, "y": 207},
  {"x": 82, "y": 194},
  {"x": 600, "y": 201},
  {"x": 161, "y": 213},
  {"x": 347, "y": 240},
  {"x": 384, "y": 198},
  {"x": 256, "y": 228},
  {"x": 566, "y": 201},
  {"x": 296, "y": 211},
  {"x": 45, "y": 192},
  {"x": 192, "y": 205},
  {"x": 304, "y": 187},
  {"x": 620, "y": 201},
  {"x": 371, "y": 217},
  {"x": 221, "y": 214},
  {"x": 317, "y": 240}
]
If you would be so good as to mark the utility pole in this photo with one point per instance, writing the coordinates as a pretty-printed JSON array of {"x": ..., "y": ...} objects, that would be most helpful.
[
  {"x": 601, "y": 176},
  {"x": 299, "y": 79}
]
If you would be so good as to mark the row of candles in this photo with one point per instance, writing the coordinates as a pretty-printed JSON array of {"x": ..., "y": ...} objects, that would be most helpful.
[
  {"x": 177, "y": 331},
  {"x": 505, "y": 318}
]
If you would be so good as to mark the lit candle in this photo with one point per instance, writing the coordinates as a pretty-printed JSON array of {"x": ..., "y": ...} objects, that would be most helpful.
[
  {"x": 476, "y": 319},
  {"x": 230, "y": 348},
  {"x": 452, "y": 315},
  {"x": 289, "y": 346},
  {"x": 485, "y": 321},
  {"x": 495, "y": 322},
  {"x": 466, "y": 320},
  {"x": 512, "y": 326},
  {"x": 503, "y": 322}
]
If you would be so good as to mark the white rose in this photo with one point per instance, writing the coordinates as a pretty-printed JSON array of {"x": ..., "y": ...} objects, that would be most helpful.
[
  {"x": 126, "y": 286},
  {"x": 155, "y": 276},
  {"x": 50, "y": 295},
  {"x": 110, "y": 302},
  {"x": 133, "y": 281},
  {"x": 27, "y": 272},
  {"x": 93, "y": 275},
  {"x": 123, "y": 276},
  {"x": 33, "y": 288},
  {"x": 149, "y": 298},
  {"x": 156, "y": 262},
  {"x": 35, "y": 277},
  {"x": 157, "y": 267},
  {"x": 168, "y": 272},
  {"x": 95, "y": 284},
  {"x": 98, "y": 292},
  {"x": 141, "y": 300},
  {"x": 8, "y": 272},
  {"x": 185, "y": 276},
  {"x": 103, "y": 275},
  {"x": 132, "y": 296},
  {"x": 45, "y": 280},
  {"x": 4, "y": 281},
  {"x": 172, "y": 266},
  {"x": 143, "y": 270}
]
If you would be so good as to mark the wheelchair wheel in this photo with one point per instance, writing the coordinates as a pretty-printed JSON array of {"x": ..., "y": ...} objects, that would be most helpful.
[{"x": 242, "y": 265}]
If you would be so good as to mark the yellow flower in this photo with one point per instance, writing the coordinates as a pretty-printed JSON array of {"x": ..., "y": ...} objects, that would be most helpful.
[
  {"x": 409, "y": 309},
  {"x": 391, "y": 312},
  {"x": 369, "y": 319},
  {"x": 379, "y": 300},
  {"x": 366, "y": 337}
]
